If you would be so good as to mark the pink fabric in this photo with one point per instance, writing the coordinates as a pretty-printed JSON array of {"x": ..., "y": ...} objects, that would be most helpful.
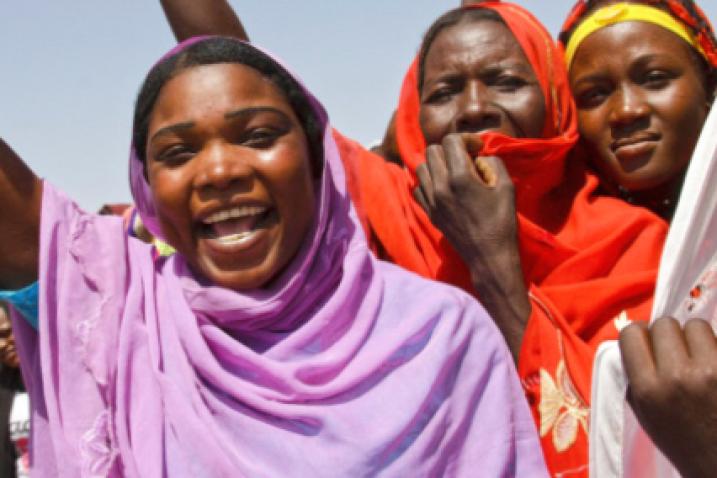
[{"x": 344, "y": 366}]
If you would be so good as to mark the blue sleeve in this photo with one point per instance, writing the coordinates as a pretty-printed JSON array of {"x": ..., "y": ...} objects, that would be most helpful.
[{"x": 24, "y": 301}]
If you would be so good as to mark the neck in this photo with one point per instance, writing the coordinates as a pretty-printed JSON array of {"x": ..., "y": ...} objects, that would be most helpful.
[{"x": 662, "y": 200}]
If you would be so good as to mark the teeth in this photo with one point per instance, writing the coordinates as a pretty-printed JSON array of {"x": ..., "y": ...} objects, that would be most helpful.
[
  {"x": 234, "y": 238},
  {"x": 235, "y": 213}
]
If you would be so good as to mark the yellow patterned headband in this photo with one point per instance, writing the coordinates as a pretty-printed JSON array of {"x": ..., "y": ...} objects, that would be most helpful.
[{"x": 627, "y": 12}]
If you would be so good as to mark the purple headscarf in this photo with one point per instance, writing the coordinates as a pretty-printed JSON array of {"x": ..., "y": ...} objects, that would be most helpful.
[{"x": 343, "y": 366}]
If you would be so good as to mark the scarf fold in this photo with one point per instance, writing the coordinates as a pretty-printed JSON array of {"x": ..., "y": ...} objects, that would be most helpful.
[
  {"x": 590, "y": 262},
  {"x": 342, "y": 366}
]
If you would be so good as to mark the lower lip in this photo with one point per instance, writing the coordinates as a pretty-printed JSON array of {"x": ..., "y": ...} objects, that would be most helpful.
[
  {"x": 635, "y": 152},
  {"x": 233, "y": 247}
]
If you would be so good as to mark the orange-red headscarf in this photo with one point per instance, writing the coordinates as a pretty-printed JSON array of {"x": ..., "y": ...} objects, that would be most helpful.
[{"x": 590, "y": 262}]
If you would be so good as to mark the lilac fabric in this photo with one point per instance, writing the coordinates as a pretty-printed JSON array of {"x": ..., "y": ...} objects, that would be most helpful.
[{"x": 343, "y": 366}]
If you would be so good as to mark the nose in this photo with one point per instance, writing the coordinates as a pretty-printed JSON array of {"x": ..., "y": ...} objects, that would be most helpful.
[
  {"x": 629, "y": 109},
  {"x": 221, "y": 166},
  {"x": 476, "y": 110}
]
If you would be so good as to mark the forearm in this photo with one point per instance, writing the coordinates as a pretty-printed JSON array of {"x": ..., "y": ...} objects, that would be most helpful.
[
  {"x": 21, "y": 199},
  {"x": 498, "y": 281},
  {"x": 189, "y": 18}
]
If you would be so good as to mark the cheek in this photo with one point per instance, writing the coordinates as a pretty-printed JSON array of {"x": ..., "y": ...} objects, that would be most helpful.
[
  {"x": 435, "y": 121},
  {"x": 593, "y": 127},
  {"x": 683, "y": 114},
  {"x": 171, "y": 193},
  {"x": 292, "y": 186},
  {"x": 531, "y": 108}
]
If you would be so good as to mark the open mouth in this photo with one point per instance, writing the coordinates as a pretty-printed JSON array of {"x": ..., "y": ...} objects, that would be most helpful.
[{"x": 237, "y": 225}]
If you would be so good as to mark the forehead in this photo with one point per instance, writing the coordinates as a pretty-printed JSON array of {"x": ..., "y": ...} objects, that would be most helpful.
[
  {"x": 216, "y": 88},
  {"x": 481, "y": 42},
  {"x": 632, "y": 40}
]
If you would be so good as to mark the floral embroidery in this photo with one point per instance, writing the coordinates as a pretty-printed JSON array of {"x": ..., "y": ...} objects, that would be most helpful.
[
  {"x": 97, "y": 450},
  {"x": 703, "y": 292},
  {"x": 561, "y": 409},
  {"x": 622, "y": 321}
]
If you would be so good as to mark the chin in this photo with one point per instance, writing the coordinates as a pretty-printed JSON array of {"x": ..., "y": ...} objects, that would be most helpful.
[
  {"x": 254, "y": 277},
  {"x": 643, "y": 179}
]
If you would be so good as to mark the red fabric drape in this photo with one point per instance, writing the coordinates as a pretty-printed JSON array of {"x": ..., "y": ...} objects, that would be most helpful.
[{"x": 589, "y": 261}]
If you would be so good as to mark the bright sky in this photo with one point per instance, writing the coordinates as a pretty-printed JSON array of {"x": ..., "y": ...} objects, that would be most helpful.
[{"x": 69, "y": 71}]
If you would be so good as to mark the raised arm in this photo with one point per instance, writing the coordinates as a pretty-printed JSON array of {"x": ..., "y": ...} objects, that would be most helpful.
[
  {"x": 189, "y": 18},
  {"x": 20, "y": 199}
]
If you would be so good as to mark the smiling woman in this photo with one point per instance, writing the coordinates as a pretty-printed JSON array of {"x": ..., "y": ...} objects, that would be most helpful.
[
  {"x": 273, "y": 342},
  {"x": 239, "y": 223},
  {"x": 640, "y": 113}
]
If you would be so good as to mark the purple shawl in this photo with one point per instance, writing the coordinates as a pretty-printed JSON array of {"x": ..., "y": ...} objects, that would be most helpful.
[{"x": 344, "y": 366}]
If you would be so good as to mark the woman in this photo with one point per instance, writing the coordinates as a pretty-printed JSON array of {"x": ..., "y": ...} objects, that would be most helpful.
[
  {"x": 640, "y": 113},
  {"x": 271, "y": 343},
  {"x": 562, "y": 275},
  {"x": 588, "y": 263}
]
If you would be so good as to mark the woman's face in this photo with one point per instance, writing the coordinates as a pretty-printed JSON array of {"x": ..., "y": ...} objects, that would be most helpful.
[
  {"x": 229, "y": 168},
  {"x": 641, "y": 100},
  {"x": 477, "y": 78}
]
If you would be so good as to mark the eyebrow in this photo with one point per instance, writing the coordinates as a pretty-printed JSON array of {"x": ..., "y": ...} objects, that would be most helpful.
[
  {"x": 172, "y": 129},
  {"x": 241, "y": 113}
]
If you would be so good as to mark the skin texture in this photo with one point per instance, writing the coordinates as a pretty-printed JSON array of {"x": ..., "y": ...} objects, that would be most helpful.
[
  {"x": 640, "y": 112},
  {"x": 189, "y": 18},
  {"x": 21, "y": 198},
  {"x": 478, "y": 79},
  {"x": 223, "y": 136},
  {"x": 672, "y": 375},
  {"x": 8, "y": 352}
]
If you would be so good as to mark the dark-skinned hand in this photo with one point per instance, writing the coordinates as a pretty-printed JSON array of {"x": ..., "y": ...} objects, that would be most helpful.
[
  {"x": 472, "y": 202},
  {"x": 672, "y": 388}
]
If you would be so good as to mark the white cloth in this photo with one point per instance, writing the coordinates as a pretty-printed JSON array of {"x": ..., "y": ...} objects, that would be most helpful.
[
  {"x": 686, "y": 289},
  {"x": 20, "y": 433}
]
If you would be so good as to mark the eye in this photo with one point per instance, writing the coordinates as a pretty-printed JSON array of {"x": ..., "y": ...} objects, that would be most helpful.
[
  {"x": 657, "y": 79},
  {"x": 441, "y": 94},
  {"x": 262, "y": 137},
  {"x": 175, "y": 155},
  {"x": 509, "y": 83},
  {"x": 592, "y": 97}
]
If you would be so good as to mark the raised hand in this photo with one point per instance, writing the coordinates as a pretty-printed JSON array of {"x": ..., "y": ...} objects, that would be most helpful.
[
  {"x": 21, "y": 199},
  {"x": 472, "y": 202},
  {"x": 190, "y": 18},
  {"x": 672, "y": 376}
]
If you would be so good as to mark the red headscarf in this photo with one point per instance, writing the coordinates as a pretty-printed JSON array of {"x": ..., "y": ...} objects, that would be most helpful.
[{"x": 590, "y": 262}]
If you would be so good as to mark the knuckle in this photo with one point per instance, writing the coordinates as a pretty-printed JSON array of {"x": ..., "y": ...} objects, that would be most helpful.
[
  {"x": 442, "y": 193},
  {"x": 664, "y": 323},
  {"x": 461, "y": 182},
  {"x": 645, "y": 390},
  {"x": 450, "y": 138},
  {"x": 703, "y": 378},
  {"x": 433, "y": 150}
]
